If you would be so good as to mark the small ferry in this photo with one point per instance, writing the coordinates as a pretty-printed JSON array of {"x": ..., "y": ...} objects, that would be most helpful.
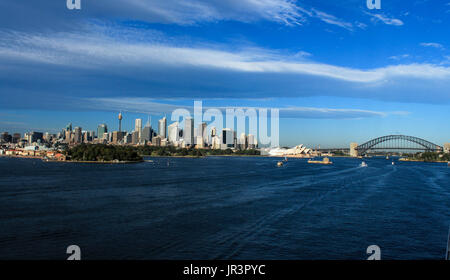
[
  {"x": 280, "y": 163},
  {"x": 393, "y": 163},
  {"x": 324, "y": 161},
  {"x": 363, "y": 164}
]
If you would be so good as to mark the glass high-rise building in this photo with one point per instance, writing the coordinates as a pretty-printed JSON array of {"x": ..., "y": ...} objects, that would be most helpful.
[
  {"x": 101, "y": 129},
  {"x": 189, "y": 131},
  {"x": 147, "y": 132},
  {"x": 162, "y": 127},
  {"x": 174, "y": 132}
]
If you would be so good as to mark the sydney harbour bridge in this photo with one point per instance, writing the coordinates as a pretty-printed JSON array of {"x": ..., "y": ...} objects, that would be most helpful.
[
  {"x": 394, "y": 143},
  {"x": 390, "y": 144}
]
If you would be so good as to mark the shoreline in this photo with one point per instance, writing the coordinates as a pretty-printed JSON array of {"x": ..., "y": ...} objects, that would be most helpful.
[
  {"x": 421, "y": 160},
  {"x": 98, "y": 162}
]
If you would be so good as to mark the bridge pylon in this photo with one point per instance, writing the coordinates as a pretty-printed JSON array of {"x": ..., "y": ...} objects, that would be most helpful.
[{"x": 353, "y": 150}]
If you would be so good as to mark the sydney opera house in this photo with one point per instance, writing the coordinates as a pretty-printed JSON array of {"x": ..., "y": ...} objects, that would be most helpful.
[{"x": 297, "y": 151}]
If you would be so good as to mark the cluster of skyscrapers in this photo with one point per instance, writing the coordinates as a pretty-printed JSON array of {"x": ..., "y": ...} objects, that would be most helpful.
[{"x": 166, "y": 135}]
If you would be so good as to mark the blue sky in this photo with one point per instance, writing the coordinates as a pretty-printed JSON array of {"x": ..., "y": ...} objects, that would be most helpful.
[{"x": 338, "y": 71}]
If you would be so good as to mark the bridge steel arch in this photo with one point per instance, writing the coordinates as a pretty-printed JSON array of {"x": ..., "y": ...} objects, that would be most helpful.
[{"x": 427, "y": 145}]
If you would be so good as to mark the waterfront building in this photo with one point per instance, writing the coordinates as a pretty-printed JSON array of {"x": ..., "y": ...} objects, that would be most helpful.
[
  {"x": 189, "y": 131},
  {"x": 156, "y": 141},
  {"x": 101, "y": 129},
  {"x": 200, "y": 143},
  {"x": 215, "y": 142},
  {"x": 162, "y": 127},
  {"x": 297, "y": 151},
  {"x": 228, "y": 138},
  {"x": 164, "y": 142},
  {"x": 252, "y": 142}
]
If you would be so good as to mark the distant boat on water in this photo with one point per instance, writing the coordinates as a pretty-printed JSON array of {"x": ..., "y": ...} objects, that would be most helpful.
[
  {"x": 363, "y": 164},
  {"x": 324, "y": 161},
  {"x": 280, "y": 163}
]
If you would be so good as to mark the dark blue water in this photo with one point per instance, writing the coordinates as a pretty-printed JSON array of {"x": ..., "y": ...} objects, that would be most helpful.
[{"x": 224, "y": 208}]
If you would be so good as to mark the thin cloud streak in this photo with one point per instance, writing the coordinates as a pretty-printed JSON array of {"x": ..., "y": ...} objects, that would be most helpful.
[
  {"x": 386, "y": 20},
  {"x": 98, "y": 51},
  {"x": 150, "y": 106}
]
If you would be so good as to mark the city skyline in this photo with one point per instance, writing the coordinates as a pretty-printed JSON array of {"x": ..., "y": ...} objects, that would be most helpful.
[{"x": 338, "y": 72}]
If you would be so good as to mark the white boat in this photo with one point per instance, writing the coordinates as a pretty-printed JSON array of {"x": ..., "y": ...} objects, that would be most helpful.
[
  {"x": 363, "y": 164},
  {"x": 393, "y": 163}
]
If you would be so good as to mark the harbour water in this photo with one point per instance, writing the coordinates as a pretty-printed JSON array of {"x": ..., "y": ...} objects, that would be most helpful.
[{"x": 224, "y": 208}]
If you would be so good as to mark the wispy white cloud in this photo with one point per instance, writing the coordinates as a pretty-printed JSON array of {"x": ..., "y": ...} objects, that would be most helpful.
[
  {"x": 195, "y": 11},
  {"x": 101, "y": 52},
  {"x": 151, "y": 106},
  {"x": 386, "y": 20},
  {"x": 330, "y": 19},
  {"x": 433, "y": 45},
  {"x": 399, "y": 57}
]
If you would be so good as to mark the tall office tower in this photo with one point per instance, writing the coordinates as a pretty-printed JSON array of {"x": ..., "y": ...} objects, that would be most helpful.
[
  {"x": 213, "y": 134},
  {"x": 135, "y": 137},
  {"x": 252, "y": 141},
  {"x": 120, "y": 121},
  {"x": 16, "y": 137},
  {"x": 117, "y": 137},
  {"x": 69, "y": 127},
  {"x": 174, "y": 132},
  {"x": 138, "y": 128},
  {"x": 162, "y": 125},
  {"x": 5, "y": 137},
  {"x": 215, "y": 142},
  {"x": 34, "y": 137},
  {"x": 101, "y": 129},
  {"x": 189, "y": 131},
  {"x": 243, "y": 142},
  {"x": 78, "y": 137},
  {"x": 228, "y": 138},
  {"x": 68, "y": 136},
  {"x": 201, "y": 131},
  {"x": 147, "y": 132},
  {"x": 128, "y": 139}
]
